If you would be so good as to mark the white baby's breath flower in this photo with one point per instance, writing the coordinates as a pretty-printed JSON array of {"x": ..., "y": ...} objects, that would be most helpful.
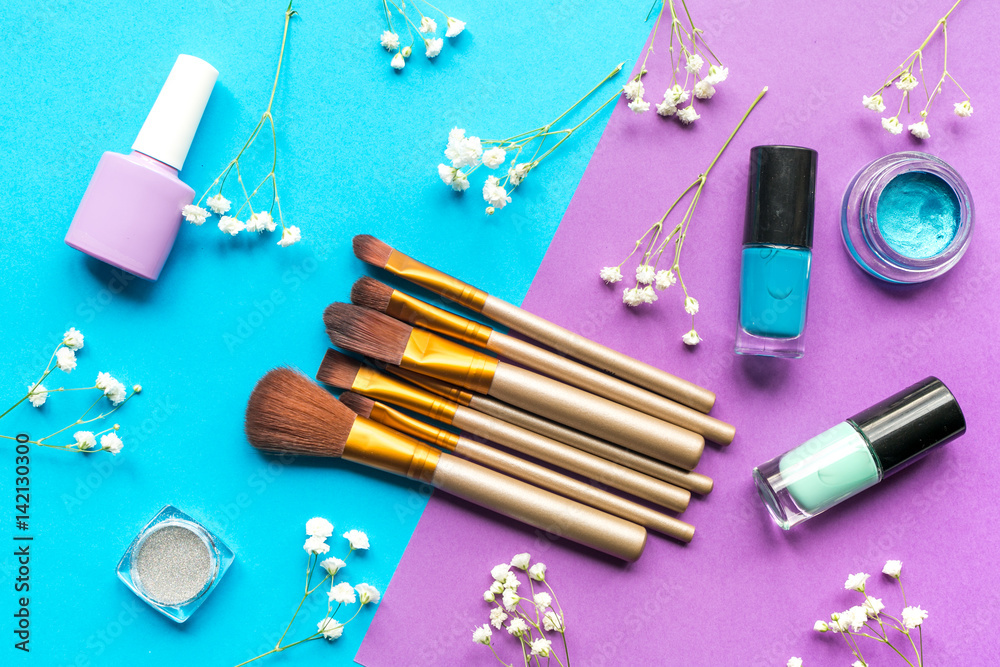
[
  {"x": 494, "y": 193},
  {"x": 194, "y": 214},
  {"x": 455, "y": 27},
  {"x": 482, "y": 634},
  {"x": 913, "y": 617},
  {"x": 647, "y": 294},
  {"x": 510, "y": 599},
  {"x": 358, "y": 539},
  {"x": 85, "y": 440},
  {"x": 874, "y": 103},
  {"x": 496, "y": 587},
  {"x": 231, "y": 225},
  {"x": 717, "y": 75},
  {"x": 319, "y": 527},
  {"x": 110, "y": 442},
  {"x": 368, "y": 593},
  {"x": 856, "y": 582},
  {"x": 517, "y": 173},
  {"x": 406, "y": 51},
  {"x": 645, "y": 274},
  {"x": 611, "y": 274},
  {"x": 260, "y": 222},
  {"x": 65, "y": 359},
  {"x": 694, "y": 63},
  {"x": 858, "y": 617},
  {"x": 688, "y": 115},
  {"x": 490, "y": 210},
  {"x": 330, "y": 628},
  {"x": 634, "y": 90},
  {"x": 691, "y": 338},
  {"x": 537, "y": 572},
  {"x": 665, "y": 278},
  {"x": 543, "y": 600},
  {"x": 794, "y": 662},
  {"x": 112, "y": 388},
  {"x": 666, "y": 109},
  {"x": 453, "y": 177},
  {"x": 691, "y": 305},
  {"x": 289, "y": 236},
  {"x": 631, "y": 296},
  {"x": 219, "y": 204},
  {"x": 521, "y": 561},
  {"x": 820, "y": 626},
  {"x": 963, "y": 109},
  {"x": 494, "y": 157},
  {"x": 920, "y": 130},
  {"x": 552, "y": 621},
  {"x": 639, "y": 105},
  {"x": 873, "y": 606},
  {"x": 499, "y": 572},
  {"x": 511, "y": 582},
  {"x": 676, "y": 94},
  {"x": 433, "y": 47},
  {"x": 461, "y": 150},
  {"x": 73, "y": 339},
  {"x": 840, "y": 621},
  {"x": 389, "y": 40},
  {"x": 858, "y": 663},
  {"x": 497, "y": 617},
  {"x": 517, "y": 627},
  {"x": 704, "y": 89},
  {"x": 398, "y": 61},
  {"x": 489, "y": 596},
  {"x": 37, "y": 394},
  {"x": 315, "y": 546},
  {"x": 427, "y": 24},
  {"x": 907, "y": 82},
  {"x": 332, "y": 565},
  {"x": 541, "y": 647},
  {"x": 892, "y": 125},
  {"x": 893, "y": 568},
  {"x": 342, "y": 593}
]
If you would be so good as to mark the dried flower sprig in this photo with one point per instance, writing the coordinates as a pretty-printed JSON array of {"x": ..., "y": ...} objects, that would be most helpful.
[
  {"x": 466, "y": 154},
  {"x": 262, "y": 219},
  {"x": 318, "y": 530},
  {"x": 532, "y": 620},
  {"x": 907, "y": 80},
  {"x": 649, "y": 277},
  {"x": 64, "y": 359},
  {"x": 425, "y": 29},
  {"x": 861, "y": 620},
  {"x": 689, "y": 53}
]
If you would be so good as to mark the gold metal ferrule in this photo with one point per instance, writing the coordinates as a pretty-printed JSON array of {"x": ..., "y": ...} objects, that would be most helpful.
[
  {"x": 414, "y": 428},
  {"x": 435, "y": 281},
  {"x": 373, "y": 384},
  {"x": 419, "y": 313},
  {"x": 438, "y": 387},
  {"x": 378, "y": 446},
  {"x": 430, "y": 354}
]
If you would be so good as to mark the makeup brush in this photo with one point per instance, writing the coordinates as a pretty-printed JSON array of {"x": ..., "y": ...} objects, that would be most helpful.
[
  {"x": 685, "y": 479},
  {"x": 381, "y": 337},
  {"x": 343, "y": 372},
  {"x": 287, "y": 413},
  {"x": 370, "y": 293},
  {"x": 517, "y": 467},
  {"x": 377, "y": 253}
]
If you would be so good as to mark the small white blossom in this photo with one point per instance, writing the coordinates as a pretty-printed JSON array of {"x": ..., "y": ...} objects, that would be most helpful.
[
  {"x": 490, "y": 210},
  {"x": 389, "y": 40},
  {"x": 873, "y": 606},
  {"x": 517, "y": 627},
  {"x": 112, "y": 388},
  {"x": 37, "y": 394},
  {"x": 332, "y": 565},
  {"x": 494, "y": 157},
  {"x": 315, "y": 546},
  {"x": 73, "y": 339},
  {"x": 65, "y": 359},
  {"x": 342, "y": 593},
  {"x": 499, "y": 572},
  {"x": 794, "y": 662},
  {"x": 357, "y": 538},
  {"x": 647, "y": 294},
  {"x": 543, "y": 600},
  {"x": 517, "y": 173},
  {"x": 913, "y": 617},
  {"x": 856, "y": 582},
  {"x": 893, "y": 568},
  {"x": 398, "y": 62},
  {"x": 840, "y": 621},
  {"x": 541, "y": 647},
  {"x": 920, "y": 130},
  {"x": 511, "y": 582},
  {"x": 639, "y": 105},
  {"x": 645, "y": 274},
  {"x": 85, "y": 440},
  {"x": 666, "y": 109},
  {"x": 634, "y": 90},
  {"x": 691, "y": 338},
  {"x": 691, "y": 305},
  {"x": 521, "y": 561},
  {"x": 665, "y": 278},
  {"x": 892, "y": 125},
  {"x": 290, "y": 235},
  {"x": 631, "y": 296},
  {"x": 496, "y": 587},
  {"x": 552, "y": 621},
  {"x": 489, "y": 596},
  {"x": 194, "y": 214},
  {"x": 330, "y": 629},
  {"x": 858, "y": 617},
  {"x": 458, "y": 181},
  {"x": 611, "y": 274},
  {"x": 494, "y": 193},
  {"x": 858, "y": 663},
  {"x": 455, "y": 27},
  {"x": 219, "y": 204},
  {"x": 110, "y": 442},
  {"x": 427, "y": 24},
  {"x": 717, "y": 75},
  {"x": 820, "y": 626},
  {"x": 537, "y": 572},
  {"x": 482, "y": 634},
  {"x": 874, "y": 103},
  {"x": 433, "y": 47},
  {"x": 510, "y": 599},
  {"x": 497, "y": 617},
  {"x": 319, "y": 527},
  {"x": 406, "y": 51},
  {"x": 963, "y": 109},
  {"x": 676, "y": 94},
  {"x": 367, "y": 593},
  {"x": 907, "y": 82},
  {"x": 704, "y": 89},
  {"x": 231, "y": 225},
  {"x": 694, "y": 63},
  {"x": 258, "y": 222},
  {"x": 688, "y": 115},
  {"x": 461, "y": 150}
]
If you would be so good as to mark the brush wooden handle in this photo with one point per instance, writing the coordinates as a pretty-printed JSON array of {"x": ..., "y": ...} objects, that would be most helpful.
[
  {"x": 691, "y": 481},
  {"x": 611, "y": 388},
  {"x": 539, "y": 508},
  {"x": 598, "y": 355},
  {"x": 572, "y": 459},
  {"x": 573, "y": 489},
  {"x": 597, "y": 416}
]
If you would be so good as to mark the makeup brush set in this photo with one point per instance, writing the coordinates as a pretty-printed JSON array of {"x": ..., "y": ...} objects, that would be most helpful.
[{"x": 602, "y": 423}]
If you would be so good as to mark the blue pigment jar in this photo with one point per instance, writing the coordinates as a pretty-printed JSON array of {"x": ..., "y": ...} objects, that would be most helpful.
[
  {"x": 907, "y": 217},
  {"x": 777, "y": 251}
]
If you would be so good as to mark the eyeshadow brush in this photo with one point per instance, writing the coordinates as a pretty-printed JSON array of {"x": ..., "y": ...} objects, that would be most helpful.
[
  {"x": 514, "y": 466},
  {"x": 289, "y": 414},
  {"x": 373, "y": 334},
  {"x": 370, "y": 293},
  {"x": 377, "y": 253},
  {"x": 342, "y": 372}
]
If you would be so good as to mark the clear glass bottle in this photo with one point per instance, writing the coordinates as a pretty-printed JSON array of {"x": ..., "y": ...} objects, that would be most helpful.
[{"x": 858, "y": 453}]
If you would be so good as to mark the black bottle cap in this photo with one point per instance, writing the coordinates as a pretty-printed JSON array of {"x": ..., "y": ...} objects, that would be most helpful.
[
  {"x": 904, "y": 427},
  {"x": 781, "y": 196}
]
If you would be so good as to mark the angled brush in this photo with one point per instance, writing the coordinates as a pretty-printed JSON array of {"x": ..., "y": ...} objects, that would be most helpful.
[
  {"x": 287, "y": 413},
  {"x": 377, "y": 253},
  {"x": 514, "y": 466},
  {"x": 370, "y": 293},
  {"x": 381, "y": 337},
  {"x": 343, "y": 372}
]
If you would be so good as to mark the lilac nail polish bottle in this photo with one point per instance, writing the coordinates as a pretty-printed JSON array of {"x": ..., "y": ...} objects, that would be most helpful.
[{"x": 131, "y": 211}]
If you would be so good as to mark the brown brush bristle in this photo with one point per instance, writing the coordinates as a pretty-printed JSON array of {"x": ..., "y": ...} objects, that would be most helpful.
[
  {"x": 290, "y": 414},
  {"x": 338, "y": 370},
  {"x": 366, "y": 332},
  {"x": 361, "y": 405},
  {"x": 369, "y": 249},
  {"x": 370, "y": 293}
]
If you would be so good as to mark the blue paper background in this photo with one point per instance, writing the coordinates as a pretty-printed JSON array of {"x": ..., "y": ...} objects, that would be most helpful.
[{"x": 358, "y": 145}]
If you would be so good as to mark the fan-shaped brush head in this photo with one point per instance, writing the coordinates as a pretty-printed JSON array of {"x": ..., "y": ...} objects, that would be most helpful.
[
  {"x": 290, "y": 414},
  {"x": 367, "y": 332},
  {"x": 361, "y": 405},
  {"x": 370, "y": 293},
  {"x": 369, "y": 249},
  {"x": 338, "y": 370}
]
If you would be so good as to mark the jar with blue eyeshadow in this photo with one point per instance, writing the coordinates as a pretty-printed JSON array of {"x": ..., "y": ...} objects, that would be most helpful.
[{"x": 907, "y": 217}]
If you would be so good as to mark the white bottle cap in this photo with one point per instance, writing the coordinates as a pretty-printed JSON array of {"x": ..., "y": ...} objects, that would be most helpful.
[{"x": 170, "y": 126}]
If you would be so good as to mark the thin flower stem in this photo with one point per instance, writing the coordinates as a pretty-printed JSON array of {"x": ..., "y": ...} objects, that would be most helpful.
[
  {"x": 289, "y": 13},
  {"x": 588, "y": 94},
  {"x": 497, "y": 655}
]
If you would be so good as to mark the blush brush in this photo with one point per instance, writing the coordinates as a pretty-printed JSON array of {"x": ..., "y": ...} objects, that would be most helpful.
[
  {"x": 514, "y": 466},
  {"x": 377, "y": 253},
  {"x": 289, "y": 414},
  {"x": 386, "y": 339},
  {"x": 370, "y": 293}
]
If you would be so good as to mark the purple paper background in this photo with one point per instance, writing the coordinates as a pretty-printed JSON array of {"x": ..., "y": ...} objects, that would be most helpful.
[{"x": 744, "y": 593}]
